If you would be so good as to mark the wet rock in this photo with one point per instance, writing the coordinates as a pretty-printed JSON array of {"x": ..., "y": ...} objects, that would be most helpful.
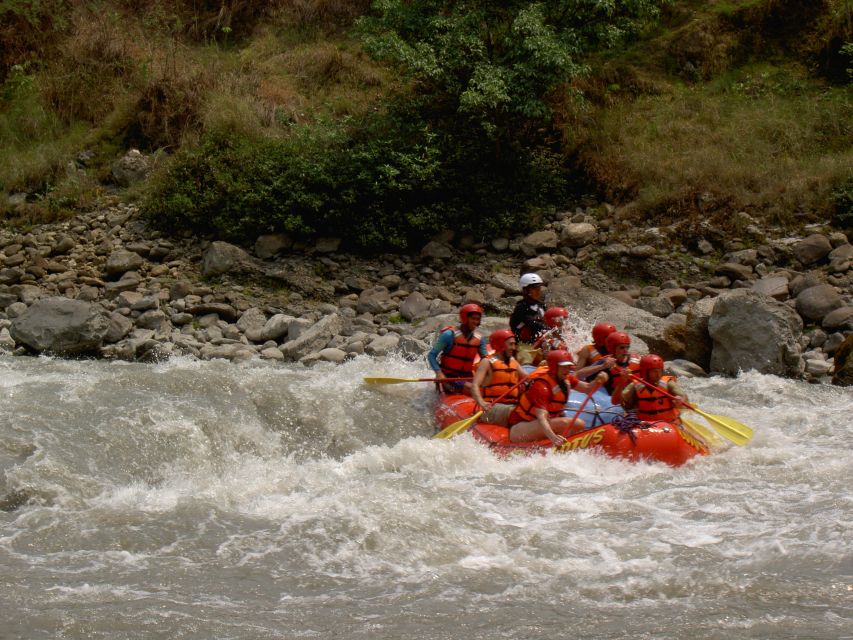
[
  {"x": 61, "y": 326},
  {"x": 119, "y": 328},
  {"x": 382, "y": 345},
  {"x": 313, "y": 339},
  {"x": 751, "y": 331}
]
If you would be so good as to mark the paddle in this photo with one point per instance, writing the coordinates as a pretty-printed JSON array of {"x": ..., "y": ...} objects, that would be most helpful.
[
  {"x": 373, "y": 380},
  {"x": 727, "y": 427},
  {"x": 699, "y": 431},
  {"x": 580, "y": 408},
  {"x": 463, "y": 425}
]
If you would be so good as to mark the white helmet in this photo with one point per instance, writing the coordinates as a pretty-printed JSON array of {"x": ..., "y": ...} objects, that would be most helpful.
[{"x": 528, "y": 279}]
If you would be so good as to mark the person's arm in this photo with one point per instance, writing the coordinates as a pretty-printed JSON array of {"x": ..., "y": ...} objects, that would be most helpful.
[
  {"x": 442, "y": 345},
  {"x": 675, "y": 389},
  {"x": 481, "y": 378},
  {"x": 483, "y": 349},
  {"x": 626, "y": 396},
  {"x": 543, "y": 418},
  {"x": 581, "y": 358},
  {"x": 587, "y": 387}
]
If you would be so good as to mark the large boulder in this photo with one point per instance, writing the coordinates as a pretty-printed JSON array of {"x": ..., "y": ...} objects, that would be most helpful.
[
  {"x": 815, "y": 303},
  {"x": 697, "y": 343},
  {"x": 61, "y": 326},
  {"x": 752, "y": 331},
  {"x": 222, "y": 257},
  {"x": 314, "y": 338}
]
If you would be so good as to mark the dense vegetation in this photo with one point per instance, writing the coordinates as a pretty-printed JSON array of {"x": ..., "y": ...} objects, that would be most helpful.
[{"x": 387, "y": 122}]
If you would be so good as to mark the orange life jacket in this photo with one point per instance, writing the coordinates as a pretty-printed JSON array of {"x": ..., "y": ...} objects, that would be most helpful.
[
  {"x": 523, "y": 411},
  {"x": 459, "y": 361},
  {"x": 652, "y": 405},
  {"x": 504, "y": 376},
  {"x": 615, "y": 381}
]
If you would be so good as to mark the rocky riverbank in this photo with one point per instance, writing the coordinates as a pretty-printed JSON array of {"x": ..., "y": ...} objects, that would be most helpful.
[{"x": 106, "y": 284}]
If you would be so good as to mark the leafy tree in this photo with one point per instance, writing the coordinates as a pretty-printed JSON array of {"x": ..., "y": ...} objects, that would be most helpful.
[{"x": 492, "y": 64}]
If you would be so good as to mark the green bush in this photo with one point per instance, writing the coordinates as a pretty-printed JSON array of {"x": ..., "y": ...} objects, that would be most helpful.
[
  {"x": 385, "y": 184},
  {"x": 842, "y": 198}
]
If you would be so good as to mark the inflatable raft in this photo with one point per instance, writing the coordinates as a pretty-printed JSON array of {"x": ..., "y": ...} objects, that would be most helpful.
[{"x": 619, "y": 437}]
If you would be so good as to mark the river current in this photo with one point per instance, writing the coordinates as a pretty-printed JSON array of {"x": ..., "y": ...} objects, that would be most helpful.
[{"x": 192, "y": 499}]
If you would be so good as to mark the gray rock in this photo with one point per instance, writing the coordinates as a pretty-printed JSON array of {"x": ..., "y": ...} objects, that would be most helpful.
[
  {"x": 252, "y": 320},
  {"x": 411, "y": 348},
  {"x": 751, "y": 331},
  {"x": 133, "y": 167},
  {"x": 331, "y": 354},
  {"x": 577, "y": 234},
  {"x": 684, "y": 369},
  {"x": 812, "y": 249},
  {"x": 151, "y": 320},
  {"x": 733, "y": 271},
  {"x": 436, "y": 250},
  {"x": 839, "y": 319},
  {"x": 275, "y": 328},
  {"x": 222, "y": 257},
  {"x": 224, "y": 311},
  {"x": 659, "y": 306},
  {"x": 119, "y": 327},
  {"x": 61, "y": 326},
  {"x": 375, "y": 300},
  {"x": 816, "y": 302},
  {"x": 414, "y": 307},
  {"x": 268, "y": 245},
  {"x": 327, "y": 245},
  {"x": 15, "y": 310},
  {"x": 382, "y": 345},
  {"x": 298, "y": 326},
  {"x": 313, "y": 339},
  {"x": 538, "y": 242},
  {"x": 773, "y": 286},
  {"x": 122, "y": 261}
]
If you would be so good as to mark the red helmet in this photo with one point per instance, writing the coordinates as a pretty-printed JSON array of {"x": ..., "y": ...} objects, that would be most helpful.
[
  {"x": 467, "y": 309},
  {"x": 601, "y": 331},
  {"x": 552, "y": 315},
  {"x": 650, "y": 361},
  {"x": 615, "y": 339},
  {"x": 498, "y": 339},
  {"x": 557, "y": 357}
]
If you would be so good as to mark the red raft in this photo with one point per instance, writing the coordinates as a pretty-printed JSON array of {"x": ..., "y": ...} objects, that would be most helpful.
[{"x": 659, "y": 441}]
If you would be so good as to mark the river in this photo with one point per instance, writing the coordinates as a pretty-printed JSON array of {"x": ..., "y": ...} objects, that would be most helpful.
[{"x": 205, "y": 500}]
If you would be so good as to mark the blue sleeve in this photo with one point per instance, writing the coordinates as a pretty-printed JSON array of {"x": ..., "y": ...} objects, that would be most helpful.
[
  {"x": 442, "y": 345},
  {"x": 484, "y": 350}
]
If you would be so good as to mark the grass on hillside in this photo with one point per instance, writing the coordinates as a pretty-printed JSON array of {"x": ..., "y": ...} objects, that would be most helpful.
[{"x": 761, "y": 139}]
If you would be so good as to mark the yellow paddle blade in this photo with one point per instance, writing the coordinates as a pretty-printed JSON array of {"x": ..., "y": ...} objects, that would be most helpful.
[
  {"x": 457, "y": 427},
  {"x": 389, "y": 380},
  {"x": 700, "y": 431},
  {"x": 727, "y": 427}
]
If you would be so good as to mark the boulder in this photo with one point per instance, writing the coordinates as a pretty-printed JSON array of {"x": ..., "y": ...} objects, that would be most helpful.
[
  {"x": 414, "y": 307},
  {"x": 812, "y": 249},
  {"x": 816, "y": 302},
  {"x": 133, "y": 167},
  {"x": 577, "y": 234},
  {"x": 436, "y": 250},
  {"x": 313, "y": 339},
  {"x": 222, "y": 257},
  {"x": 774, "y": 286},
  {"x": 751, "y": 331},
  {"x": 375, "y": 300},
  {"x": 538, "y": 242},
  {"x": 839, "y": 319},
  {"x": 268, "y": 245},
  {"x": 383, "y": 345},
  {"x": 697, "y": 343},
  {"x": 61, "y": 326},
  {"x": 122, "y": 261},
  {"x": 119, "y": 327}
]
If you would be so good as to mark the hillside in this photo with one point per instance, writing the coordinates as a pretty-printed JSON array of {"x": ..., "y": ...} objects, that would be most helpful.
[{"x": 274, "y": 115}]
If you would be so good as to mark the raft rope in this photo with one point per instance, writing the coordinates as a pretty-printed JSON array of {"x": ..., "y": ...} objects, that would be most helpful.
[{"x": 628, "y": 423}]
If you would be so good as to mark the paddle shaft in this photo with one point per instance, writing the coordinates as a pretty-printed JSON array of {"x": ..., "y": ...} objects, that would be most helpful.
[
  {"x": 381, "y": 380},
  {"x": 583, "y": 404}
]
